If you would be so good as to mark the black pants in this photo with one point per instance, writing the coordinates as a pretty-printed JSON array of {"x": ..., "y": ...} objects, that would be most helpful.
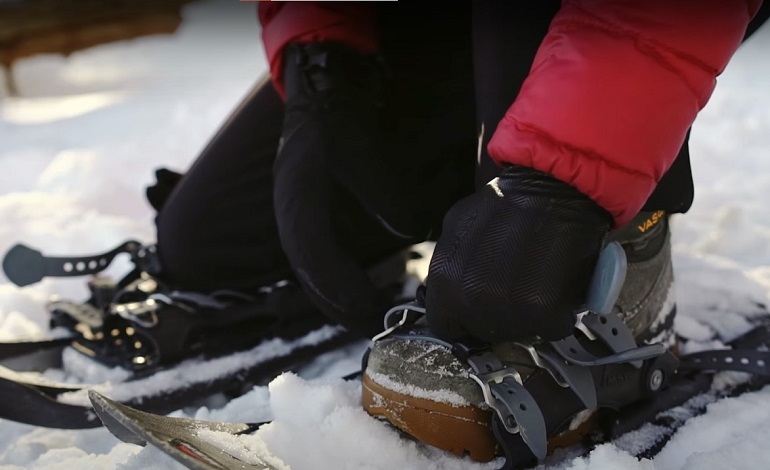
[{"x": 216, "y": 229}]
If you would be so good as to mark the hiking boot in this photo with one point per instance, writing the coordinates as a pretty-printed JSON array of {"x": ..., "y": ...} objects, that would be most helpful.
[
  {"x": 647, "y": 302},
  {"x": 426, "y": 389}
]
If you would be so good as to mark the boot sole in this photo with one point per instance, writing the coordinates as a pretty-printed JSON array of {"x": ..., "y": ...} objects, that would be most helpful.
[{"x": 461, "y": 430}]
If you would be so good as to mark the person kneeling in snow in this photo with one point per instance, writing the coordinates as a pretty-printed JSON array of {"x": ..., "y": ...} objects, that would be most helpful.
[
  {"x": 524, "y": 138},
  {"x": 585, "y": 108}
]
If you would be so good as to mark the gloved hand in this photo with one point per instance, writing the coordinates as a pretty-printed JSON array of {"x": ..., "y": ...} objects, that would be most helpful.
[
  {"x": 339, "y": 203},
  {"x": 514, "y": 260}
]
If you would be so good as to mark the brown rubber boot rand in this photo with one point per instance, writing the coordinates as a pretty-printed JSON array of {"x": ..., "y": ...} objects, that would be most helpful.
[{"x": 523, "y": 399}]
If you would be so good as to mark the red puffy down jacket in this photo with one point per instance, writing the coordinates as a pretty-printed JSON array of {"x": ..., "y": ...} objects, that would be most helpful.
[{"x": 613, "y": 89}]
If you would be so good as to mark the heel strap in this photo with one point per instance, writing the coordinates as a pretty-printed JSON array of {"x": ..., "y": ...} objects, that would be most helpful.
[{"x": 24, "y": 265}]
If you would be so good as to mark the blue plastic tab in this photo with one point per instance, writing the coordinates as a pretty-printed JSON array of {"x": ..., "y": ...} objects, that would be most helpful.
[{"x": 609, "y": 275}]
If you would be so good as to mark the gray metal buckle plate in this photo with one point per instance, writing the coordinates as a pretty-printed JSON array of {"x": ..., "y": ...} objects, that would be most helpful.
[{"x": 517, "y": 409}]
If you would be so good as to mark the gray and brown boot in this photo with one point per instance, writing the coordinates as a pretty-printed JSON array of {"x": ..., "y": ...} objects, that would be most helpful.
[{"x": 427, "y": 389}]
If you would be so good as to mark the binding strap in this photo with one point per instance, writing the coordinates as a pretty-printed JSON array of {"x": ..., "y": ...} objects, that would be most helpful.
[
  {"x": 740, "y": 360},
  {"x": 24, "y": 265}
]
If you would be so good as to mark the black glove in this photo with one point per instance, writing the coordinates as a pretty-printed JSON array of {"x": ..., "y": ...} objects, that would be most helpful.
[
  {"x": 158, "y": 193},
  {"x": 339, "y": 203},
  {"x": 514, "y": 260}
]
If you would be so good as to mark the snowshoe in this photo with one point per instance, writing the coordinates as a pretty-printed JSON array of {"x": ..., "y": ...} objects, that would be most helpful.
[{"x": 142, "y": 324}]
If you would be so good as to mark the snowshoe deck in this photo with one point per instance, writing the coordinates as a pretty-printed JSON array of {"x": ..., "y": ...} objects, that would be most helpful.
[{"x": 36, "y": 405}]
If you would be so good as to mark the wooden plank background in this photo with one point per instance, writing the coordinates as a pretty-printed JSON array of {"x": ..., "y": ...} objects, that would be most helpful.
[{"x": 29, "y": 27}]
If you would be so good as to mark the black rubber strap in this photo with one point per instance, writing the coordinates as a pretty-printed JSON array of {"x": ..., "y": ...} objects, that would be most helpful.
[
  {"x": 741, "y": 360},
  {"x": 516, "y": 408},
  {"x": 12, "y": 349},
  {"x": 24, "y": 265}
]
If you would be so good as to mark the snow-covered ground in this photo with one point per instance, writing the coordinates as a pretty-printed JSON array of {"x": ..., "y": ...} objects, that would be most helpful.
[{"x": 80, "y": 144}]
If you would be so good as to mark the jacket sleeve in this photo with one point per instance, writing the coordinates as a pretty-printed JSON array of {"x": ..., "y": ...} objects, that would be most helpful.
[
  {"x": 304, "y": 22},
  {"x": 613, "y": 89}
]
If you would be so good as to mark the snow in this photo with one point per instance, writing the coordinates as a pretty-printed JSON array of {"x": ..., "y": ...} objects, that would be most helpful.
[
  {"x": 715, "y": 440},
  {"x": 81, "y": 141}
]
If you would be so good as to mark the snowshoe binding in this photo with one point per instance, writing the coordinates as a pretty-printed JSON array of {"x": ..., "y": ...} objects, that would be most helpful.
[
  {"x": 524, "y": 399},
  {"x": 141, "y": 323}
]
